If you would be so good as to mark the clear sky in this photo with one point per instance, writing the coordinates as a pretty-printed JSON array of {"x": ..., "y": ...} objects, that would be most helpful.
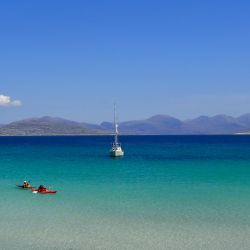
[{"x": 73, "y": 59}]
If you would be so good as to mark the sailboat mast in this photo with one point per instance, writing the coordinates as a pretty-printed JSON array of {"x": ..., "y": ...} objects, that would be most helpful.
[
  {"x": 116, "y": 149},
  {"x": 116, "y": 126}
]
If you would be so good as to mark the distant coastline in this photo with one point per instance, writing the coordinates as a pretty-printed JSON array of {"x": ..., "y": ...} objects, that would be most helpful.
[
  {"x": 243, "y": 133},
  {"x": 155, "y": 125}
]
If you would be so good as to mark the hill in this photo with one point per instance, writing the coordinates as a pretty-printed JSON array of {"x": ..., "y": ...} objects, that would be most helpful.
[
  {"x": 47, "y": 126},
  {"x": 155, "y": 125},
  {"x": 163, "y": 124}
]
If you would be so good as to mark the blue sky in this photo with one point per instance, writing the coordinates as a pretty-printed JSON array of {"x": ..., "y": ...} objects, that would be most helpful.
[{"x": 73, "y": 59}]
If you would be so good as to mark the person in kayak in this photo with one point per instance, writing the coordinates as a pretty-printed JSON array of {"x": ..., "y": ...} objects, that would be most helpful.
[
  {"x": 26, "y": 184},
  {"x": 42, "y": 188}
]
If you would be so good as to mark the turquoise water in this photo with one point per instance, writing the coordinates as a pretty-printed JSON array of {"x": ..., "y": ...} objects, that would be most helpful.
[{"x": 168, "y": 192}]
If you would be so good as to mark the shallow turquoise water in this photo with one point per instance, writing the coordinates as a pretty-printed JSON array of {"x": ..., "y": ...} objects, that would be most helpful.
[{"x": 168, "y": 192}]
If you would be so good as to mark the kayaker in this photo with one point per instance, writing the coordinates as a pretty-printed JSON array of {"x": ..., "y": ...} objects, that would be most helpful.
[
  {"x": 41, "y": 188},
  {"x": 26, "y": 184}
]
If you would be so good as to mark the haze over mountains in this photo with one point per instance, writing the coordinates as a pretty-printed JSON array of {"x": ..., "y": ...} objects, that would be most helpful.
[
  {"x": 163, "y": 124},
  {"x": 155, "y": 125}
]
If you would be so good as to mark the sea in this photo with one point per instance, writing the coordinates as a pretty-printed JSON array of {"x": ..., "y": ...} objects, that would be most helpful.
[{"x": 167, "y": 192}]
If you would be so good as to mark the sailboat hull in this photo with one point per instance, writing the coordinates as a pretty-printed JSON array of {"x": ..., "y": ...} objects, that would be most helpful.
[{"x": 116, "y": 152}]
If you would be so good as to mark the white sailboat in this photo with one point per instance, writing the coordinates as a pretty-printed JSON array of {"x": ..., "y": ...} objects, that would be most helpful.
[{"x": 116, "y": 148}]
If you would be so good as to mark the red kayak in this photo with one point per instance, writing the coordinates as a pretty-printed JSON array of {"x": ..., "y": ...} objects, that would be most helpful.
[
  {"x": 44, "y": 191},
  {"x": 22, "y": 186}
]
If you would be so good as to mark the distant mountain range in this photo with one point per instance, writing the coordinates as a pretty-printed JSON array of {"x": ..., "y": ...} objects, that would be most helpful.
[
  {"x": 155, "y": 125},
  {"x": 163, "y": 124},
  {"x": 48, "y": 126}
]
